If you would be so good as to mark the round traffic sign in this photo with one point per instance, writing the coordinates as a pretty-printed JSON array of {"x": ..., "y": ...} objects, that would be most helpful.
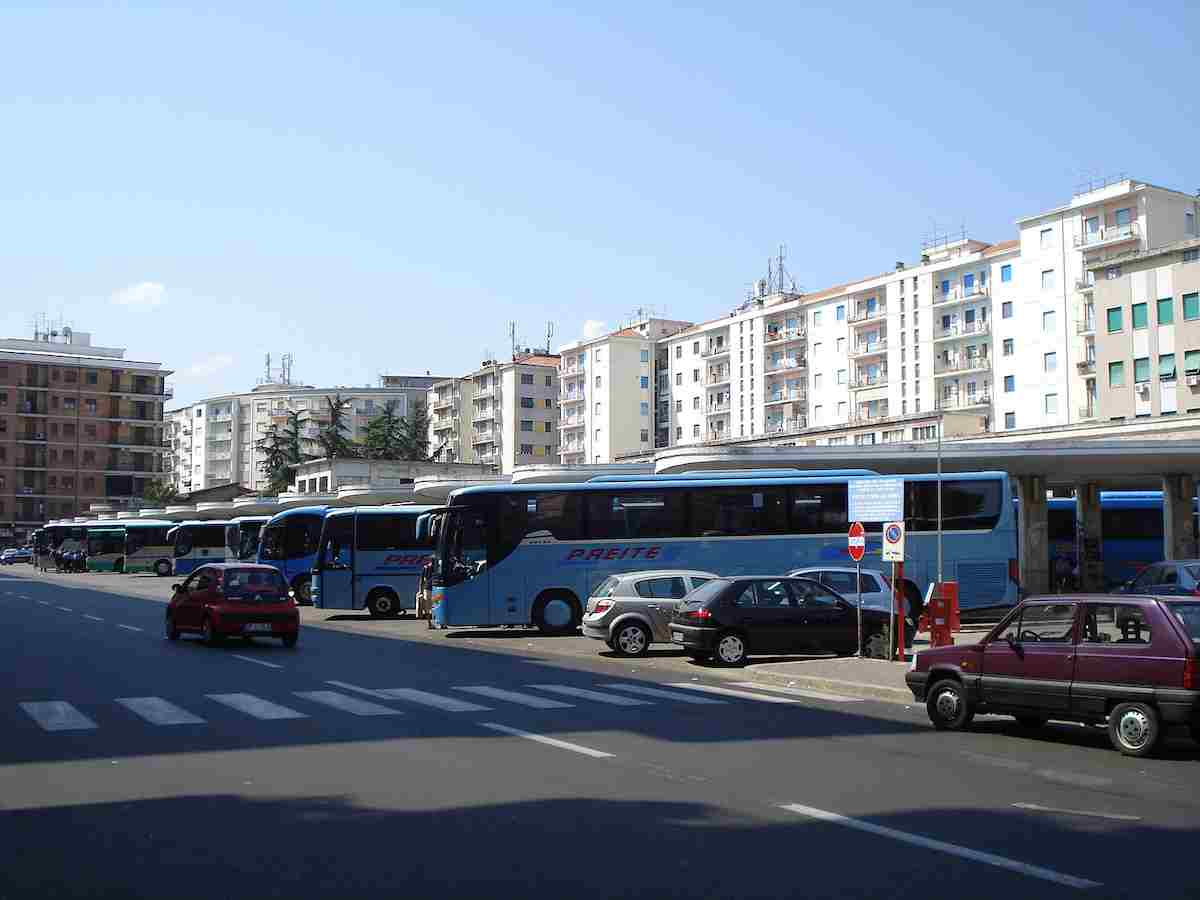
[
  {"x": 892, "y": 534},
  {"x": 856, "y": 541}
]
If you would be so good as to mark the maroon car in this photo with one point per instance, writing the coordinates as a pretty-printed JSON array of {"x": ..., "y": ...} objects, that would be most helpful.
[
  {"x": 233, "y": 599},
  {"x": 1129, "y": 662}
]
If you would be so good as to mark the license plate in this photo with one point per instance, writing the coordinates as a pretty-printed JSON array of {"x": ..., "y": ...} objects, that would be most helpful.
[
  {"x": 677, "y": 636},
  {"x": 257, "y": 626}
]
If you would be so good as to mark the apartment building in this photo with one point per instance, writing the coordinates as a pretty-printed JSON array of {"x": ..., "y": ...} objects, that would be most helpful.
[
  {"x": 512, "y": 408},
  {"x": 450, "y": 426},
  {"x": 79, "y": 424},
  {"x": 611, "y": 390},
  {"x": 215, "y": 441},
  {"x": 1146, "y": 342}
]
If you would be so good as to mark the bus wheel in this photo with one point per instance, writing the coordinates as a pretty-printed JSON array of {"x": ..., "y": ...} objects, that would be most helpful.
[
  {"x": 162, "y": 568},
  {"x": 383, "y": 605},
  {"x": 556, "y": 612},
  {"x": 303, "y": 588}
]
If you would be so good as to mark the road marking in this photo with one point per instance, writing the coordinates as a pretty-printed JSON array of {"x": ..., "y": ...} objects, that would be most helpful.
[
  {"x": 261, "y": 662},
  {"x": 589, "y": 695},
  {"x": 44, "y": 602},
  {"x": 1077, "y": 812},
  {"x": 917, "y": 840},
  {"x": 729, "y": 692},
  {"x": 346, "y": 703},
  {"x": 800, "y": 692},
  {"x": 129, "y": 627},
  {"x": 424, "y": 698},
  {"x": 515, "y": 697},
  {"x": 93, "y": 618},
  {"x": 1076, "y": 778},
  {"x": 66, "y": 609},
  {"x": 57, "y": 715},
  {"x": 665, "y": 695},
  {"x": 158, "y": 711},
  {"x": 256, "y": 706},
  {"x": 549, "y": 741}
]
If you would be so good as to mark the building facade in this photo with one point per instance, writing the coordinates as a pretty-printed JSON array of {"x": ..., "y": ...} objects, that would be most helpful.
[
  {"x": 450, "y": 427},
  {"x": 79, "y": 425}
]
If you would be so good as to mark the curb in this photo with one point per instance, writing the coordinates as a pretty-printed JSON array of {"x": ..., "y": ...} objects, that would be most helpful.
[{"x": 860, "y": 689}]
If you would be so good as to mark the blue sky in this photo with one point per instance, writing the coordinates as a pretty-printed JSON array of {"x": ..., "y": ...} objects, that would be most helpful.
[{"x": 377, "y": 189}]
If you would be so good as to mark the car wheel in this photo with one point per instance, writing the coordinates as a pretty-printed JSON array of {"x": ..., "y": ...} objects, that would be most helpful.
[
  {"x": 210, "y": 635},
  {"x": 731, "y": 649},
  {"x": 876, "y": 646},
  {"x": 162, "y": 568},
  {"x": 383, "y": 605},
  {"x": 556, "y": 613},
  {"x": 949, "y": 707},
  {"x": 171, "y": 631},
  {"x": 1133, "y": 728},
  {"x": 289, "y": 640},
  {"x": 631, "y": 639},
  {"x": 303, "y": 588},
  {"x": 1031, "y": 721}
]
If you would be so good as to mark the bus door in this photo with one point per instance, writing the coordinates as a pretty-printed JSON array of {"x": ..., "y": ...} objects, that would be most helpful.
[
  {"x": 468, "y": 578},
  {"x": 333, "y": 583}
]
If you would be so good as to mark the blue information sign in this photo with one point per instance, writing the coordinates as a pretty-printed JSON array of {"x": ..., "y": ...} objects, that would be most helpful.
[{"x": 876, "y": 499}]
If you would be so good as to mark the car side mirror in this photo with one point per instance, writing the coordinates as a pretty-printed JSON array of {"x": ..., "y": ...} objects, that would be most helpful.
[{"x": 176, "y": 588}]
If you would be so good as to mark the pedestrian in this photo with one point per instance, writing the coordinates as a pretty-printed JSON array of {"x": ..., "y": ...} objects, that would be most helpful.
[{"x": 1062, "y": 571}]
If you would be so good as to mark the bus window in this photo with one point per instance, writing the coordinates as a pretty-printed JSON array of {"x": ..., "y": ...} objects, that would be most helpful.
[
  {"x": 1131, "y": 523},
  {"x": 557, "y": 515},
  {"x": 1060, "y": 523},
  {"x": 966, "y": 505},
  {"x": 183, "y": 541},
  {"x": 272, "y": 542},
  {"x": 739, "y": 511},
  {"x": 819, "y": 509},
  {"x": 337, "y": 546},
  {"x": 386, "y": 532},
  {"x": 636, "y": 514},
  {"x": 301, "y": 536}
]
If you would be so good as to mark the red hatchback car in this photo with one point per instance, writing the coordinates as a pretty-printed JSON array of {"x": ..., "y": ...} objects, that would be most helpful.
[{"x": 233, "y": 599}]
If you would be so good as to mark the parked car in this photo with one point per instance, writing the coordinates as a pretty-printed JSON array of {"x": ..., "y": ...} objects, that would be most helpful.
[
  {"x": 1176, "y": 577},
  {"x": 15, "y": 555},
  {"x": 1129, "y": 663},
  {"x": 631, "y": 611},
  {"x": 876, "y": 588},
  {"x": 728, "y": 619},
  {"x": 234, "y": 599}
]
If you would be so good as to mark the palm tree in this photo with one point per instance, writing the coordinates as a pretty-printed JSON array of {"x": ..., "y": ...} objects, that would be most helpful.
[
  {"x": 332, "y": 438},
  {"x": 385, "y": 434}
]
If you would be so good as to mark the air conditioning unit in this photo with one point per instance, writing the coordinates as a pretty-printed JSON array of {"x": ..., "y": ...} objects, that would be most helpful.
[{"x": 1193, "y": 380}]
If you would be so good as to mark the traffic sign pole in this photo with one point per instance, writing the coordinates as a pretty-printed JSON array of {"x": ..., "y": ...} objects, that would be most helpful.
[
  {"x": 858, "y": 582},
  {"x": 856, "y": 546}
]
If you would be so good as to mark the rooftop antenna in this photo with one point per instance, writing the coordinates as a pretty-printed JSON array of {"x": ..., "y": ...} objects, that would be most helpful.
[
  {"x": 512, "y": 338},
  {"x": 267, "y": 373},
  {"x": 285, "y": 371},
  {"x": 549, "y": 337}
]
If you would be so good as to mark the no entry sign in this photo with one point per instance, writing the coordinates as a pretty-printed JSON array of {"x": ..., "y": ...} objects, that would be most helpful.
[{"x": 856, "y": 541}]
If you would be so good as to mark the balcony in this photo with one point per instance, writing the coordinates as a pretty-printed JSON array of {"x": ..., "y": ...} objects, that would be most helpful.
[
  {"x": 575, "y": 370},
  {"x": 961, "y": 365},
  {"x": 1086, "y": 325},
  {"x": 717, "y": 409},
  {"x": 864, "y": 414},
  {"x": 440, "y": 403},
  {"x": 714, "y": 351},
  {"x": 715, "y": 434},
  {"x": 1087, "y": 412},
  {"x": 961, "y": 294},
  {"x": 962, "y": 330},
  {"x": 869, "y": 348},
  {"x": 577, "y": 447},
  {"x": 489, "y": 459},
  {"x": 783, "y": 335},
  {"x": 485, "y": 393},
  {"x": 485, "y": 414},
  {"x": 1109, "y": 235},
  {"x": 36, "y": 437},
  {"x": 721, "y": 376},
  {"x": 579, "y": 397},
  {"x": 786, "y": 426},
  {"x": 964, "y": 401},
  {"x": 794, "y": 364},
  {"x": 1084, "y": 285},
  {"x": 863, "y": 314},
  {"x": 572, "y": 422},
  {"x": 1086, "y": 366},
  {"x": 784, "y": 397},
  {"x": 864, "y": 380},
  {"x": 485, "y": 436}
]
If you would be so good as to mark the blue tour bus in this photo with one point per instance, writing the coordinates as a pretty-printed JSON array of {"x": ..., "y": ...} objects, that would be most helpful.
[
  {"x": 289, "y": 542},
  {"x": 370, "y": 557},
  {"x": 241, "y": 537},
  {"x": 532, "y": 554},
  {"x": 195, "y": 544}
]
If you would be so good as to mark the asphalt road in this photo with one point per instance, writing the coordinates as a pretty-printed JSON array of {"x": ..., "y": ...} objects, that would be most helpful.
[{"x": 399, "y": 763}]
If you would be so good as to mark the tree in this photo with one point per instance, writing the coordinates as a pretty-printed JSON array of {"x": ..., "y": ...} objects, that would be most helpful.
[
  {"x": 414, "y": 434},
  {"x": 282, "y": 448},
  {"x": 332, "y": 438},
  {"x": 385, "y": 434},
  {"x": 160, "y": 492}
]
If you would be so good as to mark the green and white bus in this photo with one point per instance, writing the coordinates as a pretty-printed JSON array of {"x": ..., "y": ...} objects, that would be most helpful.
[
  {"x": 147, "y": 548},
  {"x": 106, "y": 547}
]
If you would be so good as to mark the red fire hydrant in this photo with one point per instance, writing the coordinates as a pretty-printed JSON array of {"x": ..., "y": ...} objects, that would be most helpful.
[{"x": 943, "y": 614}]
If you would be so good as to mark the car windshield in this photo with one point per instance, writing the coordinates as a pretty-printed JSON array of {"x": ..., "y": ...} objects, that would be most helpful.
[
  {"x": 252, "y": 582},
  {"x": 1194, "y": 571},
  {"x": 1189, "y": 615}
]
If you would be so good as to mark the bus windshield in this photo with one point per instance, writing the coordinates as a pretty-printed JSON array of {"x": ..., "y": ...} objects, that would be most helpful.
[
  {"x": 337, "y": 543},
  {"x": 462, "y": 542}
]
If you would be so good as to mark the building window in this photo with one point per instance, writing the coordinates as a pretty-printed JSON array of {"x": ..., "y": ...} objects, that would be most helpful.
[
  {"x": 1047, "y": 279},
  {"x": 679, "y": 351},
  {"x": 93, "y": 377},
  {"x": 1048, "y": 322},
  {"x": 549, "y": 381},
  {"x": 597, "y": 354},
  {"x": 527, "y": 449},
  {"x": 598, "y": 408},
  {"x": 1191, "y": 362},
  {"x": 695, "y": 431},
  {"x": 1113, "y": 319},
  {"x": 1050, "y": 362},
  {"x": 1191, "y": 307},
  {"x": 1010, "y": 383},
  {"x": 1008, "y": 346},
  {"x": 945, "y": 285},
  {"x": 1051, "y": 404},
  {"x": 644, "y": 381},
  {"x": 1010, "y": 421},
  {"x": 644, "y": 408},
  {"x": 679, "y": 379},
  {"x": 1006, "y": 272},
  {"x": 598, "y": 381},
  {"x": 1166, "y": 367},
  {"x": 1192, "y": 255},
  {"x": 678, "y": 406},
  {"x": 1116, "y": 374},
  {"x": 526, "y": 403},
  {"x": 548, "y": 402},
  {"x": 645, "y": 356},
  {"x": 1139, "y": 316},
  {"x": 548, "y": 427},
  {"x": 841, "y": 344},
  {"x": 1141, "y": 370},
  {"x": 840, "y": 314},
  {"x": 1189, "y": 223},
  {"x": 695, "y": 376},
  {"x": 817, "y": 318},
  {"x": 695, "y": 403},
  {"x": 1006, "y": 309},
  {"x": 1046, "y": 238},
  {"x": 695, "y": 347},
  {"x": 1123, "y": 216},
  {"x": 1166, "y": 311},
  {"x": 841, "y": 409},
  {"x": 817, "y": 379},
  {"x": 1112, "y": 273},
  {"x": 526, "y": 378},
  {"x": 841, "y": 376}
]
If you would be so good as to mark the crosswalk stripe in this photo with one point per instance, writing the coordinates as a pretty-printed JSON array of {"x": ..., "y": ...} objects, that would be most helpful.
[
  {"x": 665, "y": 695},
  {"x": 158, "y": 711},
  {"x": 256, "y": 706},
  {"x": 93, "y": 618},
  {"x": 514, "y": 697},
  {"x": 728, "y": 692},
  {"x": 57, "y": 715},
  {"x": 800, "y": 692},
  {"x": 437, "y": 701},
  {"x": 583, "y": 694},
  {"x": 353, "y": 705}
]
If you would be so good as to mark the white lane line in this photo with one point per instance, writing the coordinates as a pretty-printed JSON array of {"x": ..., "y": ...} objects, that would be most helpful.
[
  {"x": 583, "y": 694},
  {"x": 44, "y": 602},
  {"x": 729, "y": 692},
  {"x": 93, "y": 618},
  {"x": 549, "y": 741},
  {"x": 129, "y": 627},
  {"x": 260, "y": 662},
  {"x": 57, "y": 715},
  {"x": 412, "y": 695},
  {"x": 917, "y": 840},
  {"x": 66, "y": 609},
  {"x": 800, "y": 692},
  {"x": 514, "y": 697},
  {"x": 665, "y": 695},
  {"x": 158, "y": 711},
  {"x": 346, "y": 703},
  {"x": 256, "y": 706},
  {"x": 1035, "y": 807}
]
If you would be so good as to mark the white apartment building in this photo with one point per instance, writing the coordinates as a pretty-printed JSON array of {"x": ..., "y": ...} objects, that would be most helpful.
[
  {"x": 504, "y": 414},
  {"x": 214, "y": 441},
  {"x": 609, "y": 388}
]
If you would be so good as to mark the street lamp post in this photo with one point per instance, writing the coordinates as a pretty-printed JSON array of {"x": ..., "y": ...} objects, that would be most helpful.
[{"x": 940, "y": 424}]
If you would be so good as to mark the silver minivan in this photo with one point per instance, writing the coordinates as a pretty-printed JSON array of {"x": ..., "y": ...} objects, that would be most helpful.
[{"x": 632, "y": 610}]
